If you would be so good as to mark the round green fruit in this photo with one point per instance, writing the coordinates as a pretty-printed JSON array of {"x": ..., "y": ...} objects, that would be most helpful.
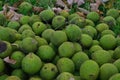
[
  {"x": 34, "y": 18},
  {"x": 5, "y": 49},
  {"x": 110, "y": 21},
  {"x": 94, "y": 16},
  {"x": 14, "y": 25},
  {"x": 113, "y": 12},
  {"x": 117, "y": 64},
  {"x": 73, "y": 32},
  {"x": 24, "y": 27},
  {"x": 58, "y": 37},
  {"x": 101, "y": 57},
  {"x": 38, "y": 27},
  {"x": 31, "y": 64},
  {"x": 17, "y": 56},
  {"x": 101, "y": 27},
  {"x": 47, "y": 15},
  {"x": 108, "y": 42},
  {"x": 105, "y": 32},
  {"x": 66, "y": 49},
  {"x": 90, "y": 30},
  {"x": 89, "y": 70},
  {"x": 29, "y": 45},
  {"x": 78, "y": 58},
  {"x": 25, "y": 8},
  {"x": 24, "y": 19},
  {"x": 19, "y": 73},
  {"x": 115, "y": 77},
  {"x": 47, "y": 34},
  {"x": 65, "y": 76},
  {"x": 86, "y": 40},
  {"x": 27, "y": 33},
  {"x": 49, "y": 71},
  {"x": 64, "y": 13},
  {"x": 79, "y": 21},
  {"x": 77, "y": 47},
  {"x": 65, "y": 65},
  {"x": 107, "y": 70},
  {"x": 70, "y": 17},
  {"x": 46, "y": 53},
  {"x": 116, "y": 54},
  {"x": 89, "y": 22},
  {"x": 95, "y": 48},
  {"x": 12, "y": 78},
  {"x": 58, "y": 22},
  {"x": 41, "y": 41}
]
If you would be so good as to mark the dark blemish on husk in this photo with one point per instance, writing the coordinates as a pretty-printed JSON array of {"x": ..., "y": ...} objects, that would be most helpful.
[{"x": 3, "y": 46}]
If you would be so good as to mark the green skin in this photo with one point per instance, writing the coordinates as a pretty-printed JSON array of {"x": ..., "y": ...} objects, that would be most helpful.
[
  {"x": 95, "y": 48},
  {"x": 78, "y": 58},
  {"x": 65, "y": 65},
  {"x": 2, "y": 65},
  {"x": 47, "y": 34},
  {"x": 117, "y": 64},
  {"x": 27, "y": 33},
  {"x": 78, "y": 21},
  {"x": 35, "y": 78},
  {"x": 113, "y": 12},
  {"x": 24, "y": 27},
  {"x": 64, "y": 13},
  {"x": 29, "y": 41},
  {"x": 17, "y": 56},
  {"x": 101, "y": 27},
  {"x": 89, "y": 22},
  {"x": 91, "y": 72},
  {"x": 46, "y": 53},
  {"x": 45, "y": 16},
  {"x": 90, "y": 30},
  {"x": 19, "y": 73},
  {"x": 101, "y": 57},
  {"x": 33, "y": 19},
  {"x": 73, "y": 32},
  {"x": 24, "y": 20},
  {"x": 7, "y": 51},
  {"x": 109, "y": 20},
  {"x": 70, "y": 17},
  {"x": 77, "y": 47},
  {"x": 65, "y": 76},
  {"x": 116, "y": 54},
  {"x": 12, "y": 78},
  {"x": 14, "y": 25},
  {"x": 25, "y": 8},
  {"x": 41, "y": 41},
  {"x": 58, "y": 22},
  {"x": 31, "y": 64},
  {"x": 66, "y": 49},
  {"x": 8, "y": 34},
  {"x": 107, "y": 70},
  {"x": 94, "y": 16},
  {"x": 48, "y": 71},
  {"x": 108, "y": 42},
  {"x": 58, "y": 37},
  {"x": 38, "y": 27},
  {"x": 105, "y": 32},
  {"x": 115, "y": 77},
  {"x": 86, "y": 40},
  {"x": 95, "y": 42}
]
